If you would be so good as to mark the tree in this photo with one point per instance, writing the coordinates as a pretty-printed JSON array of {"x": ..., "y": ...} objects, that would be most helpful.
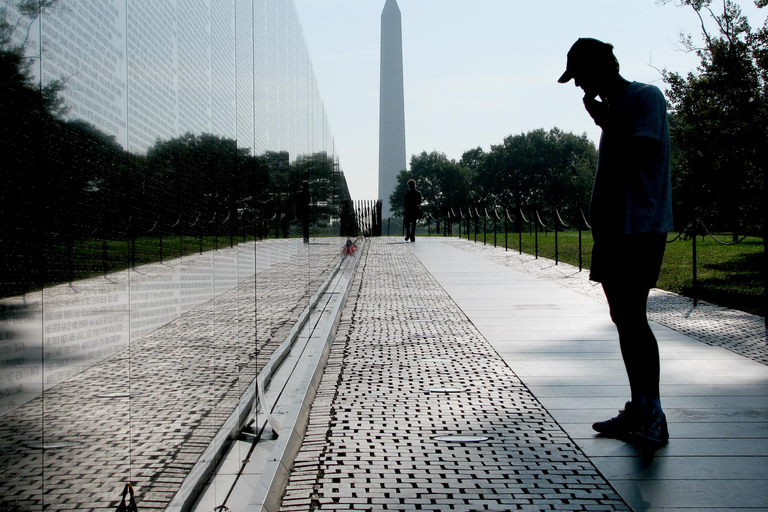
[
  {"x": 443, "y": 184},
  {"x": 719, "y": 121},
  {"x": 16, "y": 19},
  {"x": 538, "y": 169}
]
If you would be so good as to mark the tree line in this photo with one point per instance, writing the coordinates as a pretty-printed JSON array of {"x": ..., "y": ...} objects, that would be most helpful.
[
  {"x": 718, "y": 125},
  {"x": 535, "y": 170}
]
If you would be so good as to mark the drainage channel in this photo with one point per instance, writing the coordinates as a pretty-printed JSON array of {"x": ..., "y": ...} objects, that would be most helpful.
[{"x": 254, "y": 471}]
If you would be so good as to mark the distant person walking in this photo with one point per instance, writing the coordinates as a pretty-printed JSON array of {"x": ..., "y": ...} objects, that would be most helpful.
[
  {"x": 412, "y": 207},
  {"x": 631, "y": 213}
]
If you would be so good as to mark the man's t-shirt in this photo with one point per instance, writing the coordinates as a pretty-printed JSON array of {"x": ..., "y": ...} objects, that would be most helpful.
[
  {"x": 625, "y": 202},
  {"x": 412, "y": 201}
]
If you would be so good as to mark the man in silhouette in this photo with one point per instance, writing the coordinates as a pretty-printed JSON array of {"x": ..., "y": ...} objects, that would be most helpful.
[
  {"x": 631, "y": 212},
  {"x": 412, "y": 207}
]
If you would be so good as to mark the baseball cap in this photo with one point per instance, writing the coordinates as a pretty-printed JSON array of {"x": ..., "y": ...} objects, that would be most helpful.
[{"x": 588, "y": 54}]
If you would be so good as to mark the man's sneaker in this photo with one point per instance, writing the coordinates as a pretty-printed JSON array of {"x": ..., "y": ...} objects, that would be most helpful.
[
  {"x": 623, "y": 425},
  {"x": 653, "y": 432}
]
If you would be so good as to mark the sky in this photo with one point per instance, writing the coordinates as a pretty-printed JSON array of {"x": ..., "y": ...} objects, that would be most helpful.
[{"x": 476, "y": 71}]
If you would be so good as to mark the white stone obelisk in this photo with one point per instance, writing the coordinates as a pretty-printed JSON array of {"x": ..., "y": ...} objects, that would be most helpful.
[{"x": 391, "y": 104}]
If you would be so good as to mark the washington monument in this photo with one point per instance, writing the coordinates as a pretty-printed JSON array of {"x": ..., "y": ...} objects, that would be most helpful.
[{"x": 391, "y": 104}]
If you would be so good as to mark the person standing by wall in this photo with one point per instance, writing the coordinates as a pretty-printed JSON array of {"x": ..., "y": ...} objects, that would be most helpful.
[
  {"x": 631, "y": 213},
  {"x": 412, "y": 207}
]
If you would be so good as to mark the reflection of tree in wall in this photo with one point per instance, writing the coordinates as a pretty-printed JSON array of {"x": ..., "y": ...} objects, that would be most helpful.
[{"x": 65, "y": 181}]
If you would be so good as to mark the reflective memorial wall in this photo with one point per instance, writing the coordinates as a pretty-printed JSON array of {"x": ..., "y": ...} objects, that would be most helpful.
[{"x": 170, "y": 199}]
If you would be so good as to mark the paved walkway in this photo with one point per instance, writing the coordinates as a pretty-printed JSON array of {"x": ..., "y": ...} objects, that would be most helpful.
[
  {"x": 462, "y": 377},
  {"x": 459, "y": 382}
]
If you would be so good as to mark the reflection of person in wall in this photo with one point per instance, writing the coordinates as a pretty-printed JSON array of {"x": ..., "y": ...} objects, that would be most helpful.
[
  {"x": 631, "y": 212},
  {"x": 303, "y": 209},
  {"x": 412, "y": 207}
]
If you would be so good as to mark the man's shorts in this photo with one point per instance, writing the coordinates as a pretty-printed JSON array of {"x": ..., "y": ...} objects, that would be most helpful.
[{"x": 628, "y": 259}]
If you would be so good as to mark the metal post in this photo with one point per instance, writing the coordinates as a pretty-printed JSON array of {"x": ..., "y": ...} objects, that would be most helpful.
[
  {"x": 506, "y": 245},
  {"x": 494, "y": 228},
  {"x": 694, "y": 290}
]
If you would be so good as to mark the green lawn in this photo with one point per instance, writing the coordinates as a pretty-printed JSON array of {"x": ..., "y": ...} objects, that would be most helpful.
[{"x": 728, "y": 275}]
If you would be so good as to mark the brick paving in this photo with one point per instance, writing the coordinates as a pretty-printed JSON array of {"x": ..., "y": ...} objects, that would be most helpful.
[
  {"x": 407, "y": 373},
  {"x": 146, "y": 414},
  {"x": 737, "y": 331}
]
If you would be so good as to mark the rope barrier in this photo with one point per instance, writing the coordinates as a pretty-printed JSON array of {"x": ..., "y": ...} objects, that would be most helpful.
[
  {"x": 523, "y": 216},
  {"x": 713, "y": 237},
  {"x": 679, "y": 235},
  {"x": 584, "y": 218},
  {"x": 540, "y": 222},
  {"x": 561, "y": 219}
]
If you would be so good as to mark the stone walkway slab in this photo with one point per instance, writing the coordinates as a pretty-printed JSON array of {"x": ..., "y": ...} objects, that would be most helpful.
[{"x": 565, "y": 350}]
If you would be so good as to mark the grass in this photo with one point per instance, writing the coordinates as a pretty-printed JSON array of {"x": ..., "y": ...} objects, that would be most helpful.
[{"x": 727, "y": 275}]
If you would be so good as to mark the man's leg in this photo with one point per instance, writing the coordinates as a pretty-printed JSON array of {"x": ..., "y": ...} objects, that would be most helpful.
[
  {"x": 639, "y": 348},
  {"x": 640, "y": 352}
]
